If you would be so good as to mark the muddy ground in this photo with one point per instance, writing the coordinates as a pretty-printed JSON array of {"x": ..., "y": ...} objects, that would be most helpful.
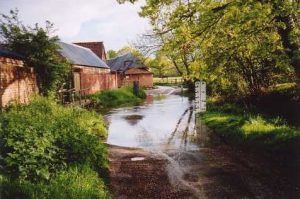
[
  {"x": 219, "y": 173},
  {"x": 146, "y": 178}
]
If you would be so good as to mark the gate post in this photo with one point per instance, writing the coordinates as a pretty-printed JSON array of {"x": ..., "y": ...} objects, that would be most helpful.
[{"x": 135, "y": 88}]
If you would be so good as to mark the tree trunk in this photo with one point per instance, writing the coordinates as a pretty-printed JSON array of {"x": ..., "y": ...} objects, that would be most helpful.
[{"x": 292, "y": 49}]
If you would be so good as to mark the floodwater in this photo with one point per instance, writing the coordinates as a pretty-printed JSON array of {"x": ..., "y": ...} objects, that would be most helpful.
[
  {"x": 165, "y": 123},
  {"x": 198, "y": 161}
]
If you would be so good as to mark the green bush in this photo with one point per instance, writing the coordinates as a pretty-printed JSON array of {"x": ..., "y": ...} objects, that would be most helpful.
[
  {"x": 76, "y": 182},
  {"x": 38, "y": 139},
  {"x": 119, "y": 97}
]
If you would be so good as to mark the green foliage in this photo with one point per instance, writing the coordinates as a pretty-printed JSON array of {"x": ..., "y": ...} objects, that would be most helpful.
[
  {"x": 119, "y": 97},
  {"x": 240, "y": 48},
  {"x": 40, "y": 138},
  {"x": 112, "y": 54},
  {"x": 161, "y": 66},
  {"x": 253, "y": 131},
  {"x": 39, "y": 49},
  {"x": 134, "y": 51},
  {"x": 283, "y": 100},
  {"x": 76, "y": 182}
]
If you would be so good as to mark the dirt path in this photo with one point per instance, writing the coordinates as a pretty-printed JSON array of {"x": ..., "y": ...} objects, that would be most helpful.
[
  {"x": 147, "y": 178},
  {"x": 218, "y": 173}
]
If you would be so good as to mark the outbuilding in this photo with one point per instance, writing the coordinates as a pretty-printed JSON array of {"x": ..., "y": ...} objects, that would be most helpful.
[
  {"x": 129, "y": 69},
  {"x": 90, "y": 73}
]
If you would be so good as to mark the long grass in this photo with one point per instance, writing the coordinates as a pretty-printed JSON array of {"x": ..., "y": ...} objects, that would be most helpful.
[
  {"x": 118, "y": 97},
  {"x": 252, "y": 130},
  {"x": 76, "y": 183}
]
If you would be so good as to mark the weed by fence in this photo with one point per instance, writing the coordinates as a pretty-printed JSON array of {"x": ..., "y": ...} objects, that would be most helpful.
[{"x": 71, "y": 96}]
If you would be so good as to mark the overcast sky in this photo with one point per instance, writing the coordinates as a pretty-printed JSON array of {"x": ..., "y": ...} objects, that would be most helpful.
[{"x": 84, "y": 20}]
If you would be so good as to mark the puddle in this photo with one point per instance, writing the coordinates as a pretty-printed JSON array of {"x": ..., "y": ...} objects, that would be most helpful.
[{"x": 137, "y": 159}]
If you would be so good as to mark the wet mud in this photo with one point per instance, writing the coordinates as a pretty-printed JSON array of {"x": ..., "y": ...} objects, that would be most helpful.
[{"x": 147, "y": 178}]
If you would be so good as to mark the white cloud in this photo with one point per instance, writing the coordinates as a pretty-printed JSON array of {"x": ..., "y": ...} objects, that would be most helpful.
[{"x": 84, "y": 20}]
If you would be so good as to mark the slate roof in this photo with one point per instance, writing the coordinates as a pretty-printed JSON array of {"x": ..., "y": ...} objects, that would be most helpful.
[
  {"x": 81, "y": 56},
  {"x": 97, "y": 47},
  {"x": 6, "y": 53},
  {"x": 124, "y": 62}
]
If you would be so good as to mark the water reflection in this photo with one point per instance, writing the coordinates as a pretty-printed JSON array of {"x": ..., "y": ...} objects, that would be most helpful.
[
  {"x": 167, "y": 123},
  {"x": 133, "y": 119}
]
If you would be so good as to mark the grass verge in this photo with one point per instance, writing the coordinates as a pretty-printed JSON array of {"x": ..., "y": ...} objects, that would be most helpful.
[
  {"x": 115, "y": 98},
  {"x": 76, "y": 182},
  {"x": 253, "y": 131}
]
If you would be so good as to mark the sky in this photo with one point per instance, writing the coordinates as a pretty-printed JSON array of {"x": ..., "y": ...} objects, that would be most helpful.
[{"x": 84, "y": 20}]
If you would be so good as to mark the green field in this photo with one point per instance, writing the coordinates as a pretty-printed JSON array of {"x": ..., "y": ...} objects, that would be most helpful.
[{"x": 167, "y": 80}]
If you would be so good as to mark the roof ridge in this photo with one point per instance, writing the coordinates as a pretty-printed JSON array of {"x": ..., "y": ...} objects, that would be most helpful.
[
  {"x": 120, "y": 56},
  {"x": 72, "y": 44},
  {"x": 86, "y": 42}
]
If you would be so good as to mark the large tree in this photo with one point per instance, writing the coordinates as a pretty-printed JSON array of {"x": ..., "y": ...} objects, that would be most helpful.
[
  {"x": 39, "y": 48},
  {"x": 237, "y": 44}
]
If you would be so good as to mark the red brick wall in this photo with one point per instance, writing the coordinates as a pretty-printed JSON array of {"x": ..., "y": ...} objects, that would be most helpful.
[
  {"x": 17, "y": 83},
  {"x": 93, "y": 80},
  {"x": 145, "y": 80}
]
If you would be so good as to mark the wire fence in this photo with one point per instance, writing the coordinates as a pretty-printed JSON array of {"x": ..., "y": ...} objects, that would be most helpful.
[
  {"x": 71, "y": 96},
  {"x": 168, "y": 80}
]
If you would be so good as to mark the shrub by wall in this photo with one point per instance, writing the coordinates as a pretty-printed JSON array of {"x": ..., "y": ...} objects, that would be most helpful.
[{"x": 41, "y": 141}]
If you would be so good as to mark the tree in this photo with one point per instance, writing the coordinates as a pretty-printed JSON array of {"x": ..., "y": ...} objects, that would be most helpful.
[
  {"x": 161, "y": 66},
  {"x": 112, "y": 54},
  {"x": 39, "y": 49},
  {"x": 139, "y": 55},
  {"x": 237, "y": 46}
]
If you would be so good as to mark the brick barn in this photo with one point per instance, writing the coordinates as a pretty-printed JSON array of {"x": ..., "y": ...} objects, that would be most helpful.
[
  {"x": 129, "y": 68},
  {"x": 17, "y": 81},
  {"x": 90, "y": 73}
]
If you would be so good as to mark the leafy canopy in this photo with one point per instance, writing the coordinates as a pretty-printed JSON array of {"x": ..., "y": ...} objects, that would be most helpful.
[
  {"x": 235, "y": 45},
  {"x": 39, "y": 49}
]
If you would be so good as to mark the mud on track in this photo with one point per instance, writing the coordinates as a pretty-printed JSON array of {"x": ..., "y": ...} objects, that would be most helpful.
[{"x": 146, "y": 178}]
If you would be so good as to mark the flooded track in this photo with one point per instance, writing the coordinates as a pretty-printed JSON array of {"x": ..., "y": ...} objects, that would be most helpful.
[{"x": 160, "y": 150}]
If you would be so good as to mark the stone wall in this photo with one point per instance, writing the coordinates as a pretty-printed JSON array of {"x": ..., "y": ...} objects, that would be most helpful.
[{"x": 17, "y": 83}]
